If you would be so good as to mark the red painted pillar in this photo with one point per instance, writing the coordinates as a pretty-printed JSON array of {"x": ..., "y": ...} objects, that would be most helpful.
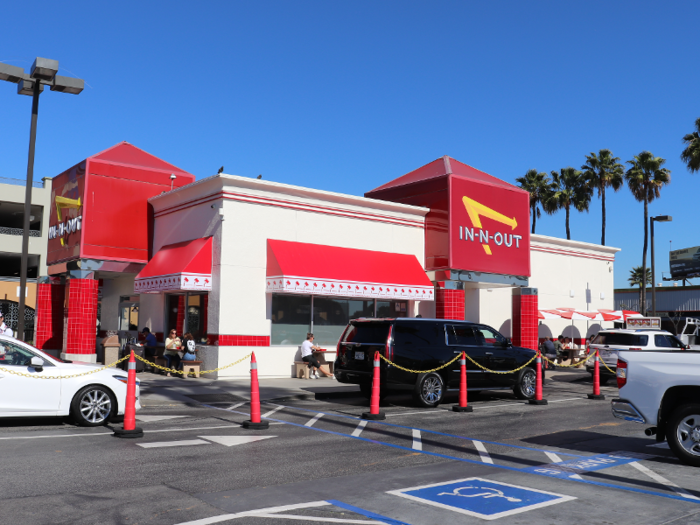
[
  {"x": 525, "y": 323},
  {"x": 50, "y": 296},
  {"x": 81, "y": 329},
  {"x": 181, "y": 309},
  {"x": 449, "y": 303}
]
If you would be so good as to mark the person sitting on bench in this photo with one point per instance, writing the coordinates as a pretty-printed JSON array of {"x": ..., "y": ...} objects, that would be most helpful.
[
  {"x": 307, "y": 355},
  {"x": 189, "y": 347}
]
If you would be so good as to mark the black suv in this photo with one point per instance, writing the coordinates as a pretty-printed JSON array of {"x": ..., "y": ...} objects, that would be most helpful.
[{"x": 424, "y": 344}]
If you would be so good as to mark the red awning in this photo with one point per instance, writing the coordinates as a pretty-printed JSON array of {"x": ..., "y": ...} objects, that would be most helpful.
[
  {"x": 183, "y": 266},
  {"x": 295, "y": 267}
]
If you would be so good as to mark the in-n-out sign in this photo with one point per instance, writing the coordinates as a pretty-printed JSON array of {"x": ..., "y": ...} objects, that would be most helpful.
[
  {"x": 64, "y": 228},
  {"x": 477, "y": 234}
]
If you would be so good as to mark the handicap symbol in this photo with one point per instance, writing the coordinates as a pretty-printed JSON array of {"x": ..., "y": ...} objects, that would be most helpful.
[{"x": 490, "y": 492}]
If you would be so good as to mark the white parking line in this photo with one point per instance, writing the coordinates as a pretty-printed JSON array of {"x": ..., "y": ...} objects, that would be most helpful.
[
  {"x": 421, "y": 412},
  {"x": 656, "y": 477},
  {"x": 556, "y": 459},
  {"x": 184, "y": 443},
  {"x": 360, "y": 427},
  {"x": 314, "y": 518},
  {"x": 311, "y": 422},
  {"x": 417, "y": 444},
  {"x": 268, "y": 414},
  {"x": 483, "y": 453},
  {"x": 269, "y": 510},
  {"x": 237, "y": 405}
]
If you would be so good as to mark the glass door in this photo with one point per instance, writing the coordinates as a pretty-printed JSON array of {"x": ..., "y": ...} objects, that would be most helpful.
[{"x": 128, "y": 318}]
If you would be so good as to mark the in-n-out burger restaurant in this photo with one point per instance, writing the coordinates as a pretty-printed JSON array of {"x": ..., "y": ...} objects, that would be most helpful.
[{"x": 246, "y": 263}]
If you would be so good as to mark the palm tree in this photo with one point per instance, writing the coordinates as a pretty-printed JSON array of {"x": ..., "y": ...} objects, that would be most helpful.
[
  {"x": 636, "y": 279},
  {"x": 603, "y": 171},
  {"x": 645, "y": 178},
  {"x": 691, "y": 154},
  {"x": 569, "y": 188},
  {"x": 539, "y": 186}
]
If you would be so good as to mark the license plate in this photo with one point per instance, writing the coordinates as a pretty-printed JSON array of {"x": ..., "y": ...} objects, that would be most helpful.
[{"x": 359, "y": 355}]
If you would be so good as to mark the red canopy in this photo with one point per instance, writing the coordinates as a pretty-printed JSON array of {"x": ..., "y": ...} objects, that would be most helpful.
[
  {"x": 316, "y": 269},
  {"x": 183, "y": 266}
]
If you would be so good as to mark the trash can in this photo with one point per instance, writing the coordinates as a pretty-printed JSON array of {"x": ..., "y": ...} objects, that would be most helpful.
[
  {"x": 139, "y": 351},
  {"x": 110, "y": 345}
]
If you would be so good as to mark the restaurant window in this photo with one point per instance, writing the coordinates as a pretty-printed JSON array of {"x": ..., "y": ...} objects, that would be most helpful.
[
  {"x": 292, "y": 316},
  {"x": 291, "y": 319}
]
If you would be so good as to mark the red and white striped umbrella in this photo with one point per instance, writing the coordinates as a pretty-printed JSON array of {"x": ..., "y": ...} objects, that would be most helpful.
[{"x": 548, "y": 314}]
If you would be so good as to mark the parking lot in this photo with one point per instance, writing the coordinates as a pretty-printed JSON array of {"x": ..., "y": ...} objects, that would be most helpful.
[{"x": 569, "y": 461}]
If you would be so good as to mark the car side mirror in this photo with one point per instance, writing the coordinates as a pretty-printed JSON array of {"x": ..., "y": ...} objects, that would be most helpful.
[
  {"x": 508, "y": 343},
  {"x": 37, "y": 363}
]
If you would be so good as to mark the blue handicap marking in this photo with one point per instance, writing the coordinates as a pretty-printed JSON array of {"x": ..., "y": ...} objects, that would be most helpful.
[
  {"x": 482, "y": 498},
  {"x": 577, "y": 466}
]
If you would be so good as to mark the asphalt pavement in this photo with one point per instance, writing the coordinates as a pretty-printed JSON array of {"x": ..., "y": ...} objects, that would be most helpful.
[{"x": 510, "y": 462}]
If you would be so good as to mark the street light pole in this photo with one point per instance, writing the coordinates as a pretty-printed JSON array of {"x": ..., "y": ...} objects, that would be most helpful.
[
  {"x": 42, "y": 73},
  {"x": 27, "y": 212},
  {"x": 659, "y": 218}
]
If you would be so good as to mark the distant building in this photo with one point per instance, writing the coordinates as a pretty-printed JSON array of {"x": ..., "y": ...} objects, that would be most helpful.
[
  {"x": 671, "y": 301},
  {"x": 12, "y": 192}
]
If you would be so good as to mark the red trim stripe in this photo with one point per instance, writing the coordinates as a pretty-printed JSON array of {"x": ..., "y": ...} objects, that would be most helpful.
[{"x": 312, "y": 208}]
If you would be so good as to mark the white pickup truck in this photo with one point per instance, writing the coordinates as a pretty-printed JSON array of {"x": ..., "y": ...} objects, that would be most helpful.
[{"x": 662, "y": 390}]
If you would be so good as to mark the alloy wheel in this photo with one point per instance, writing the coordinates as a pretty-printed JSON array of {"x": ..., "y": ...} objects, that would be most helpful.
[
  {"x": 688, "y": 432},
  {"x": 95, "y": 406}
]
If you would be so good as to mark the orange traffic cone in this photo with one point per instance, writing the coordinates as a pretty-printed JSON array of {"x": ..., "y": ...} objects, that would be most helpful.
[
  {"x": 374, "y": 414},
  {"x": 463, "y": 407},
  {"x": 255, "y": 423},
  {"x": 130, "y": 430}
]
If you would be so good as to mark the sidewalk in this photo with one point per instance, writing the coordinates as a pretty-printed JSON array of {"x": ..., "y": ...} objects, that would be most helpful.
[{"x": 157, "y": 390}]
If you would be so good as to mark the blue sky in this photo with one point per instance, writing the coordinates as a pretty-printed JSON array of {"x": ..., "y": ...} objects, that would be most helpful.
[{"x": 345, "y": 96}]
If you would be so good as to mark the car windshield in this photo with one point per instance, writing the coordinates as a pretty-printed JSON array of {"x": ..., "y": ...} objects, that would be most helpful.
[
  {"x": 363, "y": 332},
  {"x": 616, "y": 338}
]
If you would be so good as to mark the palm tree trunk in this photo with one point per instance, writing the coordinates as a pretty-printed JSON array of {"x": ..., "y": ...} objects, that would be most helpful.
[
  {"x": 602, "y": 196},
  {"x": 534, "y": 216},
  {"x": 568, "y": 231},
  {"x": 644, "y": 257}
]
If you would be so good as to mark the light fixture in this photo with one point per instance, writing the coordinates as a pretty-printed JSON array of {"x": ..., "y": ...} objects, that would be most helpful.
[
  {"x": 44, "y": 69},
  {"x": 11, "y": 73},
  {"x": 572, "y": 293},
  {"x": 26, "y": 87}
]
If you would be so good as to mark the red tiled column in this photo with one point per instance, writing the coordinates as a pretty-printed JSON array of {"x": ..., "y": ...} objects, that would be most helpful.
[
  {"x": 449, "y": 304},
  {"x": 82, "y": 319},
  {"x": 205, "y": 313},
  {"x": 525, "y": 306},
  {"x": 49, "y": 316},
  {"x": 180, "y": 325}
]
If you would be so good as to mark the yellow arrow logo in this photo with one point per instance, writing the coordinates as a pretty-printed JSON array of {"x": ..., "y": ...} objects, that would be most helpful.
[
  {"x": 65, "y": 202},
  {"x": 476, "y": 210}
]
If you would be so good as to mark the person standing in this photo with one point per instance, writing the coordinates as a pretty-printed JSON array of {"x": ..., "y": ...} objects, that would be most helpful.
[
  {"x": 4, "y": 329},
  {"x": 172, "y": 346},
  {"x": 307, "y": 355}
]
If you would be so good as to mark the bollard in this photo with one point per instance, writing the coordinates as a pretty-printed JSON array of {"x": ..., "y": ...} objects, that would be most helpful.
[
  {"x": 596, "y": 380},
  {"x": 130, "y": 430},
  {"x": 374, "y": 414},
  {"x": 255, "y": 423},
  {"x": 538, "y": 382},
  {"x": 462, "y": 407}
]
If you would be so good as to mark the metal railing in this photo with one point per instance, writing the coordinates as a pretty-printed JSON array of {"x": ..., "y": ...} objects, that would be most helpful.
[{"x": 18, "y": 231}]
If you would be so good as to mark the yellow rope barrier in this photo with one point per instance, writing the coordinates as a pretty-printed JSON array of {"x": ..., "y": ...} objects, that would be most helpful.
[
  {"x": 452, "y": 361},
  {"x": 35, "y": 376},
  {"x": 173, "y": 371}
]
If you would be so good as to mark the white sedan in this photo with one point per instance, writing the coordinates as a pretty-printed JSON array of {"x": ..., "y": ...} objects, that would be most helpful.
[{"x": 90, "y": 400}]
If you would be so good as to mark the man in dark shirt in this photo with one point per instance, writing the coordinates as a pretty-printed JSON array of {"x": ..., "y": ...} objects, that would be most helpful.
[{"x": 150, "y": 344}]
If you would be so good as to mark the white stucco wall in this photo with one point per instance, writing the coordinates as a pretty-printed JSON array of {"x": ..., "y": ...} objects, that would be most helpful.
[{"x": 242, "y": 214}]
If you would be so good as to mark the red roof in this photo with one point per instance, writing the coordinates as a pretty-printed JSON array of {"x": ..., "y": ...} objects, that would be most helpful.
[
  {"x": 183, "y": 257},
  {"x": 442, "y": 167},
  {"x": 126, "y": 154},
  {"x": 318, "y": 261}
]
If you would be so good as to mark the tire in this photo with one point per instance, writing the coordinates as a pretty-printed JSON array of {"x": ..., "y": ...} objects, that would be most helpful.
[
  {"x": 683, "y": 433},
  {"x": 93, "y": 406},
  {"x": 429, "y": 390},
  {"x": 525, "y": 384}
]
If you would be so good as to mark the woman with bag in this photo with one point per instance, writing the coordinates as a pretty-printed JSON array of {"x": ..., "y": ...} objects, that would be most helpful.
[{"x": 189, "y": 347}]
